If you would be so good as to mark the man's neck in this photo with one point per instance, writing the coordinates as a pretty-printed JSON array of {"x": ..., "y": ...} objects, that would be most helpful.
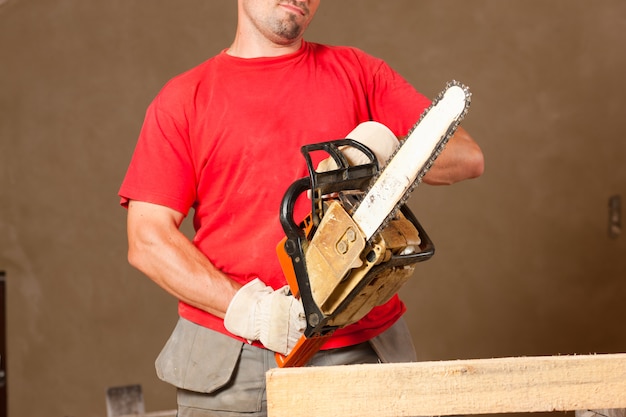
[{"x": 257, "y": 47}]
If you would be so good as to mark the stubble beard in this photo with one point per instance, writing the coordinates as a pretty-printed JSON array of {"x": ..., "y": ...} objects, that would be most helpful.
[{"x": 287, "y": 29}]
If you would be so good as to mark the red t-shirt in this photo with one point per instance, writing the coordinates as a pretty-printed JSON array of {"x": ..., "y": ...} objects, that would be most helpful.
[{"x": 224, "y": 139}]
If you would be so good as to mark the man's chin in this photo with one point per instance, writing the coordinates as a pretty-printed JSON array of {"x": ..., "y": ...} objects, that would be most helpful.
[{"x": 289, "y": 35}]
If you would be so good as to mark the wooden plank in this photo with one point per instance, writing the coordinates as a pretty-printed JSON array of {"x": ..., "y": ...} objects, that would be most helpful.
[{"x": 482, "y": 386}]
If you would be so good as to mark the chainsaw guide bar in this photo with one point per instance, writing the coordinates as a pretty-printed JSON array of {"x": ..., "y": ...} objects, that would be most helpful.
[{"x": 416, "y": 154}]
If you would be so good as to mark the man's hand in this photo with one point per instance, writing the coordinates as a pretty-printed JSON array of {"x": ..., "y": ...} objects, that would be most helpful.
[
  {"x": 376, "y": 136},
  {"x": 273, "y": 317}
]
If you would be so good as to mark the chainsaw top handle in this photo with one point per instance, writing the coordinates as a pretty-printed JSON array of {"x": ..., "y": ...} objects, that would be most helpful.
[{"x": 345, "y": 177}]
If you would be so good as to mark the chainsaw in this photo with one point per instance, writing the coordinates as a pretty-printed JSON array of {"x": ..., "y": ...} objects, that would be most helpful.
[{"x": 361, "y": 242}]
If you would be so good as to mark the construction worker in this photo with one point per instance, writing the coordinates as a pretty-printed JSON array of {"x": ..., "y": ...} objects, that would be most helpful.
[{"x": 223, "y": 139}]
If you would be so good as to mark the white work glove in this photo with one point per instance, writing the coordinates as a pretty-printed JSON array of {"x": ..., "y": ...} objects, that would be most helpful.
[
  {"x": 376, "y": 136},
  {"x": 273, "y": 317}
]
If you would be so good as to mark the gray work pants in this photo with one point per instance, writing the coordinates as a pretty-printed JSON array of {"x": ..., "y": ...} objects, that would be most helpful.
[{"x": 220, "y": 376}]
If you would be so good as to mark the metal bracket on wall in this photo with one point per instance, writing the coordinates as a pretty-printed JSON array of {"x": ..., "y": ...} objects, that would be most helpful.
[
  {"x": 125, "y": 400},
  {"x": 615, "y": 216},
  {"x": 3, "y": 355}
]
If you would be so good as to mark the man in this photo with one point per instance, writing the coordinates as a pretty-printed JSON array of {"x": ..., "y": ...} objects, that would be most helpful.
[{"x": 224, "y": 139}]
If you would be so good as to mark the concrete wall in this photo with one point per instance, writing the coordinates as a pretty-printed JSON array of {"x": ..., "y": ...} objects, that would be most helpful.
[{"x": 524, "y": 262}]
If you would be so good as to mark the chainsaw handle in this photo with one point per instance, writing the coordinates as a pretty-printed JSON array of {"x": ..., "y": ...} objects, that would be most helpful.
[
  {"x": 290, "y": 227},
  {"x": 345, "y": 177}
]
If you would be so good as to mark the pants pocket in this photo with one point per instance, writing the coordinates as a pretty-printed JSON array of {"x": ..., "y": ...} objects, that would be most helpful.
[
  {"x": 244, "y": 392},
  {"x": 197, "y": 359}
]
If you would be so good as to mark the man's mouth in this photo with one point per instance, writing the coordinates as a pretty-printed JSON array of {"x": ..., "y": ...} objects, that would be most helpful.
[{"x": 296, "y": 7}]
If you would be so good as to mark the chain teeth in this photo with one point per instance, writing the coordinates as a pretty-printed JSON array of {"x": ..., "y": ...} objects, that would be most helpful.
[{"x": 436, "y": 152}]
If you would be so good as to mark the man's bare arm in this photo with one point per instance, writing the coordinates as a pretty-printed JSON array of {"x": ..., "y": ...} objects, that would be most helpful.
[
  {"x": 460, "y": 160},
  {"x": 160, "y": 250}
]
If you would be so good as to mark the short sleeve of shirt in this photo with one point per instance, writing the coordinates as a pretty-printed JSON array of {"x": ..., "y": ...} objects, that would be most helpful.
[
  {"x": 396, "y": 103},
  {"x": 161, "y": 170}
]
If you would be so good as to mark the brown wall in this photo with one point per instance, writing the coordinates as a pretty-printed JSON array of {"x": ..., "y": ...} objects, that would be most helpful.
[{"x": 524, "y": 263}]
